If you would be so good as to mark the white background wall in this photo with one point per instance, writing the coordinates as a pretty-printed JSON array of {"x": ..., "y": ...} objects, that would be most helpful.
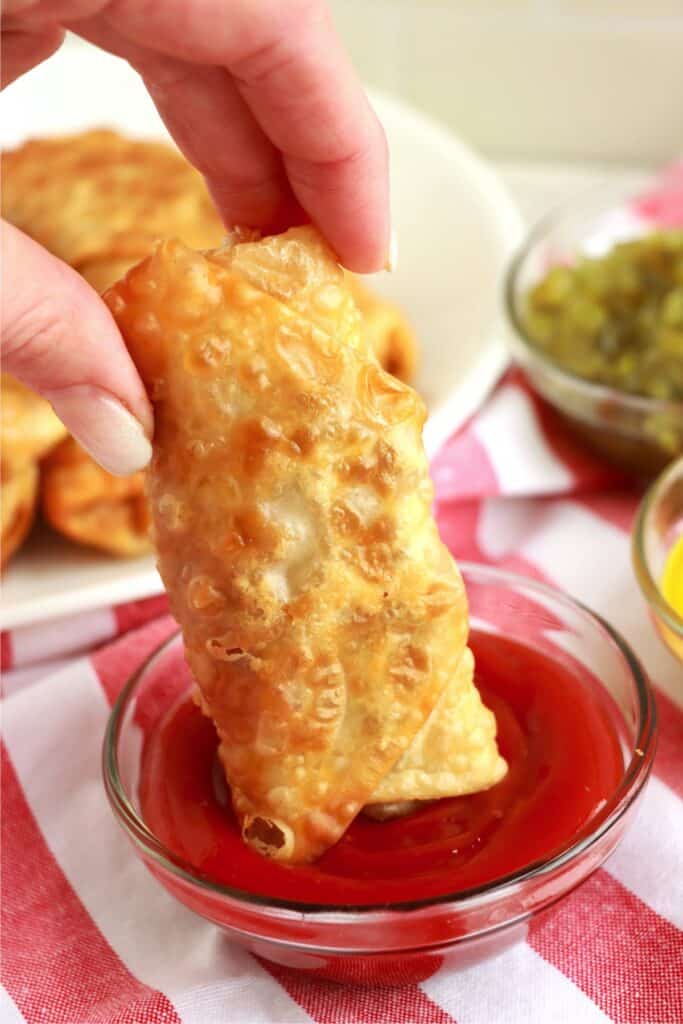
[{"x": 598, "y": 80}]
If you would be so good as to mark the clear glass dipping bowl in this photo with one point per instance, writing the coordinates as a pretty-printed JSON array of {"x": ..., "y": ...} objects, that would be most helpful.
[
  {"x": 636, "y": 433},
  {"x": 658, "y": 525},
  {"x": 404, "y": 942}
]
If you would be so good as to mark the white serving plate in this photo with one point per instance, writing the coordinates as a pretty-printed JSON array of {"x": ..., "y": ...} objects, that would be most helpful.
[{"x": 456, "y": 228}]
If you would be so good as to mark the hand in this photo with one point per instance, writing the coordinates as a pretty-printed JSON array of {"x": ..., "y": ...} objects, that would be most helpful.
[{"x": 260, "y": 96}]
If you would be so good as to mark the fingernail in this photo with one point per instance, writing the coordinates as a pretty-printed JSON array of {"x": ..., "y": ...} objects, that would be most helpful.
[
  {"x": 392, "y": 259},
  {"x": 104, "y": 427}
]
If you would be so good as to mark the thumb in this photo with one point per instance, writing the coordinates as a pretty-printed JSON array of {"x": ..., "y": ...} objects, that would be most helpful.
[{"x": 59, "y": 338}]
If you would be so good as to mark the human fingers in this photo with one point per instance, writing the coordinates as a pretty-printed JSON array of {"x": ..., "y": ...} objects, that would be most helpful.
[
  {"x": 290, "y": 69},
  {"x": 59, "y": 338}
]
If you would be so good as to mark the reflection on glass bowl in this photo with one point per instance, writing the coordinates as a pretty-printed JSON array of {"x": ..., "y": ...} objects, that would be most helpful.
[{"x": 658, "y": 527}]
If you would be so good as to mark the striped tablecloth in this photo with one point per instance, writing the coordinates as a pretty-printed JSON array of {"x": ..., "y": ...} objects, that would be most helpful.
[{"x": 88, "y": 936}]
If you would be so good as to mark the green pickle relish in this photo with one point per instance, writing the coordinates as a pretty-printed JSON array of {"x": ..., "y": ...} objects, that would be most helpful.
[{"x": 616, "y": 319}]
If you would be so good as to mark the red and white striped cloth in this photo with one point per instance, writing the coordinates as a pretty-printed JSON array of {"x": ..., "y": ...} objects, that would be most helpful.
[{"x": 88, "y": 936}]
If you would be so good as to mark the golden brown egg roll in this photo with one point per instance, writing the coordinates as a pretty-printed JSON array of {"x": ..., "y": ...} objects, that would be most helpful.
[
  {"x": 98, "y": 195},
  {"x": 88, "y": 505},
  {"x": 323, "y": 619}
]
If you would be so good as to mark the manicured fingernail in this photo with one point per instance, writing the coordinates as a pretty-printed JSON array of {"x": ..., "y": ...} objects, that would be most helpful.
[
  {"x": 104, "y": 427},
  {"x": 392, "y": 258}
]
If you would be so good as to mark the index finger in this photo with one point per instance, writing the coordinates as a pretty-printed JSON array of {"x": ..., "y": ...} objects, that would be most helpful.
[
  {"x": 305, "y": 95},
  {"x": 295, "y": 77}
]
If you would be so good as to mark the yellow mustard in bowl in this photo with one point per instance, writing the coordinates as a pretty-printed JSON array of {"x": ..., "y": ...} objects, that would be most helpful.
[{"x": 672, "y": 578}]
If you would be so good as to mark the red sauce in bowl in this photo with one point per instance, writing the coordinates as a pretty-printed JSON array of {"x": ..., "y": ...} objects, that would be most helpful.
[{"x": 564, "y": 763}]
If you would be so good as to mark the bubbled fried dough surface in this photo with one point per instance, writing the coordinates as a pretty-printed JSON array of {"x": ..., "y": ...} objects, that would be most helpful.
[
  {"x": 322, "y": 616},
  {"x": 92, "y": 507},
  {"x": 99, "y": 195},
  {"x": 455, "y": 751}
]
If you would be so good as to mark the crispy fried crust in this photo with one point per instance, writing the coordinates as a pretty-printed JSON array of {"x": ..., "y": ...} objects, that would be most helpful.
[
  {"x": 454, "y": 752},
  {"x": 89, "y": 505},
  {"x": 322, "y": 617},
  {"x": 19, "y": 490},
  {"x": 100, "y": 197},
  {"x": 387, "y": 331}
]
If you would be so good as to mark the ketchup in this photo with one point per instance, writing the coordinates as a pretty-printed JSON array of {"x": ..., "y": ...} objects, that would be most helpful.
[{"x": 564, "y": 762}]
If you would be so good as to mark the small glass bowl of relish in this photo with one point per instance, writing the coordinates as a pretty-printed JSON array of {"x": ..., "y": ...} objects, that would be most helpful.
[
  {"x": 658, "y": 554},
  {"x": 595, "y": 303}
]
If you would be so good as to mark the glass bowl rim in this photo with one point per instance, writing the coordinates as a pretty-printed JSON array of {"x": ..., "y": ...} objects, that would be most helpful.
[
  {"x": 599, "y": 393},
  {"x": 636, "y": 773},
  {"x": 646, "y": 581}
]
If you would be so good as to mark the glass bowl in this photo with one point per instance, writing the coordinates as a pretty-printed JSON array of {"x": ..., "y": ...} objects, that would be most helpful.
[
  {"x": 404, "y": 942},
  {"x": 658, "y": 525},
  {"x": 636, "y": 433}
]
